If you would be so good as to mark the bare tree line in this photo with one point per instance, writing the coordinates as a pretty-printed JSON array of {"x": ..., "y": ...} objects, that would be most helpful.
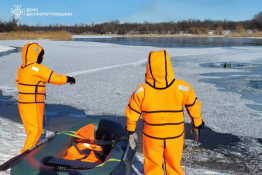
[{"x": 115, "y": 27}]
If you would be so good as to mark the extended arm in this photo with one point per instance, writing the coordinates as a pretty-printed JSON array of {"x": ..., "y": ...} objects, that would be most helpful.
[{"x": 48, "y": 75}]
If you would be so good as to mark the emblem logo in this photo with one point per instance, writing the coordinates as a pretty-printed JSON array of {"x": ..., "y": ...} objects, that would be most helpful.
[{"x": 17, "y": 11}]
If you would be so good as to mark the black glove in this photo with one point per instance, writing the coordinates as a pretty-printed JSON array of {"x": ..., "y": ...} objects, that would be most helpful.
[{"x": 71, "y": 80}]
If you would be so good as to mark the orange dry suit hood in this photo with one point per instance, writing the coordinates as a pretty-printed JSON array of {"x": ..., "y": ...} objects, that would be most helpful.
[
  {"x": 159, "y": 73},
  {"x": 32, "y": 53}
]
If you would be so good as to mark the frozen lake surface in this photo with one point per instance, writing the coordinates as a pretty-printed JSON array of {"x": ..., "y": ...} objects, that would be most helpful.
[{"x": 106, "y": 75}]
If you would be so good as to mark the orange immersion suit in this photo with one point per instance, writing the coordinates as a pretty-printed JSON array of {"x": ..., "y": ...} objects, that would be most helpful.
[
  {"x": 161, "y": 100},
  {"x": 84, "y": 151},
  {"x": 30, "y": 81}
]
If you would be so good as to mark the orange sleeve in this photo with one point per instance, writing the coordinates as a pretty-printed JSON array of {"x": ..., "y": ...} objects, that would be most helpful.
[
  {"x": 193, "y": 107},
  {"x": 57, "y": 79},
  {"x": 134, "y": 110},
  {"x": 49, "y": 76}
]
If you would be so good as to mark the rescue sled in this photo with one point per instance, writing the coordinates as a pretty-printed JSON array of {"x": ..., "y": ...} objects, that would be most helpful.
[{"x": 49, "y": 157}]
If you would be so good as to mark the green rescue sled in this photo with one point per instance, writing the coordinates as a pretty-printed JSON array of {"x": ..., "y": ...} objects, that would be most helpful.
[{"x": 48, "y": 158}]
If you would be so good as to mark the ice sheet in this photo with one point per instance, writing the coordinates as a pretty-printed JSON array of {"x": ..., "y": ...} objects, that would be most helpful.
[{"x": 107, "y": 74}]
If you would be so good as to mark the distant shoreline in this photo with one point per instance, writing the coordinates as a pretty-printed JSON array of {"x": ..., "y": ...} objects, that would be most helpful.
[{"x": 64, "y": 35}]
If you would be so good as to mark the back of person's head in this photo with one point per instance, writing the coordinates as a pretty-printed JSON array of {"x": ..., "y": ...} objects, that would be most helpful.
[
  {"x": 159, "y": 72},
  {"x": 32, "y": 53}
]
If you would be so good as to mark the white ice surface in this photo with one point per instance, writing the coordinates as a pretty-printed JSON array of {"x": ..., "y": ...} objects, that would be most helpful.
[
  {"x": 107, "y": 74},
  {"x": 5, "y": 48}
]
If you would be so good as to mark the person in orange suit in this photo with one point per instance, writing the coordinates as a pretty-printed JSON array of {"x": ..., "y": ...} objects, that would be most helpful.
[
  {"x": 31, "y": 79},
  {"x": 160, "y": 100}
]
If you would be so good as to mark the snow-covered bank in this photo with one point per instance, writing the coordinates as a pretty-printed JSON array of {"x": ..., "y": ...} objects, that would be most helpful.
[
  {"x": 91, "y": 36},
  {"x": 107, "y": 74}
]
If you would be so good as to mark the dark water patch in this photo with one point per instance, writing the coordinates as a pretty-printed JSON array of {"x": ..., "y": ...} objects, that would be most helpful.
[
  {"x": 228, "y": 65},
  {"x": 247, "y": 82},
  {"x": 239, "y": 85},
  {"x": 255, "y": 107},
  {"x": 224, "y": 74},
  {"x": 257, "y": 84},
  {"x": 7, "y": 99},
  {"x": 194, "y": 42},
  {"x": 225, "y": 82},
  {"x": 15, "y": 50},
  {"x": 260, "y": 141}
]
